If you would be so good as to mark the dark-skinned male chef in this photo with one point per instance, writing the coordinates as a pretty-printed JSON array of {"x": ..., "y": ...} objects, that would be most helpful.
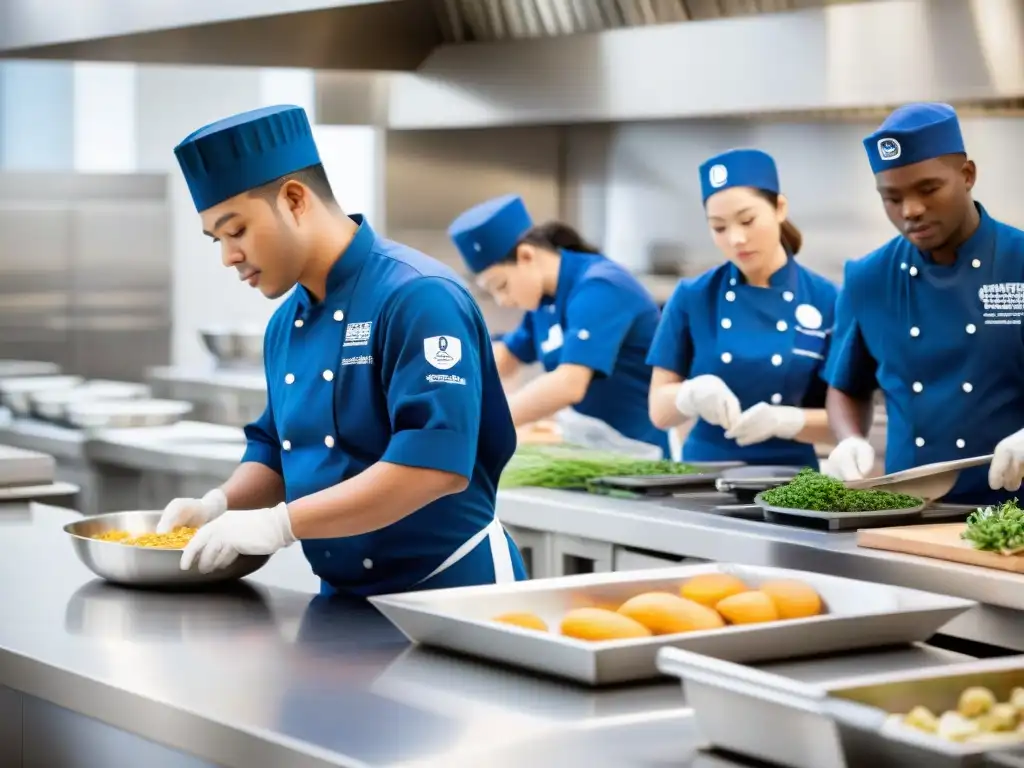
[
  {"x": 386, "y": 427},
  {"x": 932, "y": 318}
]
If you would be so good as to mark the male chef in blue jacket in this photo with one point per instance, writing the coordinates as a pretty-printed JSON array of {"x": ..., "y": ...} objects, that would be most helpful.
[
  {"x": 932, "y": 318},
  {"x": 386, "y": 428}
]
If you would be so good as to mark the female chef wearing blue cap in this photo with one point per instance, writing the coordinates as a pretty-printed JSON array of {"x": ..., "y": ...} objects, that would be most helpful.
[
  {"x": 933, "y": 318},
  {"x": 386, "y": 427},
  {"x": 588, "y": 320},
  {"x": 741, "y": 347}
]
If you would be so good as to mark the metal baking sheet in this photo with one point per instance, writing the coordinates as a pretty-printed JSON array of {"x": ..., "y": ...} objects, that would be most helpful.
[
  {"x": 838, "y": 723},
  {"x": 859, "y": 615},
  {"x": 19, "y": 467},
  {"x": 841, "y": 520},
  {"x": 653, "y": 485}
]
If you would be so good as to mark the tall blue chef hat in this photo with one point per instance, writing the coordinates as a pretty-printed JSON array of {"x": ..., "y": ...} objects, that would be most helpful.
[
  {"x": 914, "y": 133},
  {"x": 487, "y": 233},
  {"x": 244, "y": 152},
  {"x": 738, "y": 168}
]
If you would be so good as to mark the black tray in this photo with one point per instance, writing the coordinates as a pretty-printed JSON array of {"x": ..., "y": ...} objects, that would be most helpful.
[{"x": 665, "y": 485}]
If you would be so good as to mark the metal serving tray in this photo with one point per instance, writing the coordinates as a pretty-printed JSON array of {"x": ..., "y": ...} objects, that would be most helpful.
[
  {"x": 839, "y": 723},
  {"x": 842, "y": 520},
  {"x": 665, "y": 485},
  {"x": 144, "y": 566},
  {"x": 860, "y": 615},
  {"x": 746, "y": 482},
  {"x": 118, "y": 414}
]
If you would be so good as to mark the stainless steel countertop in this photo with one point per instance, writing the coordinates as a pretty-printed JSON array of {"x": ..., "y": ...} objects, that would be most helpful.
[
  {"x": 264, "y": 674},
  {"x": 33, "y": 435}
]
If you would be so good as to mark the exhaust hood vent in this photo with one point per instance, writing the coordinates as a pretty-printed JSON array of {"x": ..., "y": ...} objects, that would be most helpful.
[{"x": 464, "y": 21}]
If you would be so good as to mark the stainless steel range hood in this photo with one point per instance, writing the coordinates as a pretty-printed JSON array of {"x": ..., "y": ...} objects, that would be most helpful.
[
  {"x": 846, "y": 56},
  {"x": 315, "y": 34}
]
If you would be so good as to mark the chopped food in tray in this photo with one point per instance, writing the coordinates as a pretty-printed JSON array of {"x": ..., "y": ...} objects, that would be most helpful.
[
  {"x": 997, "y": 529},
  {"x": 814, "y": 491},
  {"x": 176, "y": 539},
  {"x": 705, "y": 602},
  {"x": 979, "y": 718},
  {"x": 571, "y": 467}
]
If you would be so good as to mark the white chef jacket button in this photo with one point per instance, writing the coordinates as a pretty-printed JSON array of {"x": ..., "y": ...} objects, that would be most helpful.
[
  {"x": 328, "y": 375},
  {"x": 781, "y": 325},
  {"x": 776, "y": 359},
  {"x": 919, "y": 442},
  {"x": 913, "y": 271},
  {"x": 299, "y": 323},
  {"x": 583, "y": 335},
  {"x": 726, "y": 357},
  {"x": 726, "y": 322},
  {"x": 960, "y": 443},
  {"x": 918, "y": 386},
  {"x": 329, "y": 441},
  {"x": 915, "y": 331},
  {"x": 339, "y": 315},
  {"x": 971, "y": 327},
  {"x": 730, "y": 295},
  {"x": 367, "y": 563},
  {"x": 286, "y": 444},
  {"x": 787, "y": 295},
  {"x": 968, "y": 386},
  {"x": 903, "y": 266},
  {"x": 327, "y": 555},
  {"x": 732, "y": 281},
  {"x": 289, "y": 378},
  {"x": 776, "y": 398},
  {"x": 976, "y": 263}
]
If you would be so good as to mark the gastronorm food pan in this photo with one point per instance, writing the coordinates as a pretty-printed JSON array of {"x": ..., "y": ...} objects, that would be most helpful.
[
  {"x": 20, "y": 467},
  {"x": 746, "y": 482},
  {"x": 665, "y": 485},
  {"x": 843, "y": 520},
  {"x": 843, "y": 723},
  {"x": 16, "y": 393},
  {"x": 859, "y": 615},
  {"x": 144, "y": 566},
  {"x": 52, "y": 405},
  {"x": 117, "y": 414},
  {"x": 234, "y": 348}
]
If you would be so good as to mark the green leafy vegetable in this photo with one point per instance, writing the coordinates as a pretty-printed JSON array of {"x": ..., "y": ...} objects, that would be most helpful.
[
  {"x": 564, "y": 466},
  {"x": 997, "y": 529},
  {"x": 821, "y": 493}
]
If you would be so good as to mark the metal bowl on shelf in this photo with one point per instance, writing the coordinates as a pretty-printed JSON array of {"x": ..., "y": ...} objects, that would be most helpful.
[
  {"x": 53, "y": 404},
  {"x": 235, "y": 348},
  {"x": 16, "y": 393},
  {"x": 151, "y": 567}
]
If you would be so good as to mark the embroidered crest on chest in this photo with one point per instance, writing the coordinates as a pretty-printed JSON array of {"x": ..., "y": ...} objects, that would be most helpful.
[
  {"x": 1003, "y": 303},
  {"x": 357, "y": 334}
]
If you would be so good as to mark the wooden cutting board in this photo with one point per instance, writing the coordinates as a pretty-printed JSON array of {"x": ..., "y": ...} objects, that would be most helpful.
[{"x": 942, "y": 542}]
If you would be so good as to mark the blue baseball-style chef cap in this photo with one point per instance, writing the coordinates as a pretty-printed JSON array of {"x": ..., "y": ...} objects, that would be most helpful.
[
  {"x": 487, "y": 233},
  {"x": 245, "y": 151},
  {"x": 738, "y": 168},
  {"x": 912, "y": 134}
]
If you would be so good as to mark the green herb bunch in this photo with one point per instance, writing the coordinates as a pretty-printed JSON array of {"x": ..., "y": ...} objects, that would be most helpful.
[
  {"x": 563, "y": 466},
  {"x": 997, "y": 529},
  {"x": 821, "y": 493}
]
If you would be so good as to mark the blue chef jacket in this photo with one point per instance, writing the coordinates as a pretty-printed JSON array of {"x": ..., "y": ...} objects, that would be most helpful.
[
  {"x": 394, "y": 365},
  {"x": 944, "y": 344},
  {"x": 767, "y": 344},
  {"x": 603, "y": 319}
]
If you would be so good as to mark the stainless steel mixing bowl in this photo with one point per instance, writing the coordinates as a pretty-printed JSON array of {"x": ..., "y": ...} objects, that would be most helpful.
[
  {"x": 144, "y": 566},
  {"x": 235, "y": 347}
]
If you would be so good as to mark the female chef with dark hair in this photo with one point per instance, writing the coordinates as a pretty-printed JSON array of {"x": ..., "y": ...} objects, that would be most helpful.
[
  {"x": 741, "y": 348},
  {"x": 588, "y": 320}
]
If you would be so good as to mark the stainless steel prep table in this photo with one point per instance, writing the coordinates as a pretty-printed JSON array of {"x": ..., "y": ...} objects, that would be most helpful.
[
  {"x": 261, "y": 676},
  {"x": 676, "y": 527}
]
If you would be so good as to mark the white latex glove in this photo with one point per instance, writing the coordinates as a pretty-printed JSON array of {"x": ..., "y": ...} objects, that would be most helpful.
[
  {"x": 762, "y": 422},
  {"x": 1007, "y": 466},
  {"x": 709, "y": 398},
  {"x": 852, "y": 459},
  {"x": 193, "y": 513},
  {"x": 238, "y": 532}
]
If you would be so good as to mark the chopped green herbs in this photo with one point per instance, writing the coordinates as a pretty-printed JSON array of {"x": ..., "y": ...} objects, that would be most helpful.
[
  {"x": 820, "y": 493},
  {"x": 563, "y": 466},
  {"x": 997, "y": 529}
]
